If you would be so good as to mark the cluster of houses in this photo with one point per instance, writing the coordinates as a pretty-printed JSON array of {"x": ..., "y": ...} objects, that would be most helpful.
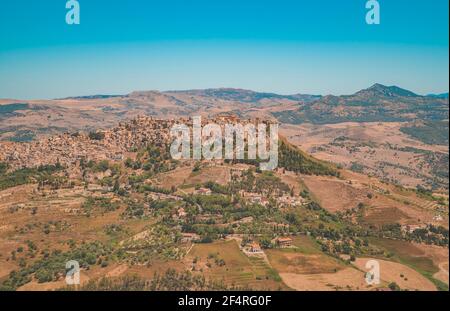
[
  {"x": 254, "y": 198},
  {"x": 162, "y": 196},
  {"x": 285, "y": 200},
  {"x": 281, "y": 242},
  {"x": 69, "y": 149}
]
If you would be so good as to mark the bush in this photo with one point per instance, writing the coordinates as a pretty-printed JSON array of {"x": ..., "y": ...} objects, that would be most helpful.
[
  {"x": 44, "y": 276},
  {"x": 96, "y": 135},
  {"x": 3, "y": 168},
  {"x": 394, "y": 286}
]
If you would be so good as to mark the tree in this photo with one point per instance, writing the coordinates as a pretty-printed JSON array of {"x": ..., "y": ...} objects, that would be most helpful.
[
  {"x": 265, "y": 243},
  {"x": 394, "y": 286},
  {"x": 116, "y": 186},
  {"x": 3, "y": 168},
  {"x": 96, "y": 135},
  {"x": 129, "y": 163},
  {"x": 196, "y": 167},
  {"x": 43, "y": 276}
]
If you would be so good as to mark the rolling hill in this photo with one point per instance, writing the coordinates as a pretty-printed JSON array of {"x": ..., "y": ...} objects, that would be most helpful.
[{"x": 377, "y": 103}]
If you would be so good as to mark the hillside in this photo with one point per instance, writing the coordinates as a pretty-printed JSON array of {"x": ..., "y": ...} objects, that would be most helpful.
[
  {"x": 134, "y": 218},
  {"x": 293, "y": 159},
  {"x": 378, "y": 103}
]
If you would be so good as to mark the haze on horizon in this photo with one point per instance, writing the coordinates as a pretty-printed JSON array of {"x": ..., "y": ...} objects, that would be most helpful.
[{"x": 284, "y": 47}]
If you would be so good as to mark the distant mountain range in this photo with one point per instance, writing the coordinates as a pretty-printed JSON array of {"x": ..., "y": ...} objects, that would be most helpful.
[
  {"x": 376, "y": 103},
  {"x": 249, "y": 96}
]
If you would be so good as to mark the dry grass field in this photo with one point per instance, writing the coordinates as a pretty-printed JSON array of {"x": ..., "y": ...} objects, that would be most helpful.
[
  {"x": 335, "y": 194},
  {"x": 404, "y": 276},
  {"x": 430, "y": 261},
  {"x": 439, "y": 256},
  {"x": 238, "y": 270},
  {"x": 343, "y": 280},
  {"x": 305, "y": 268}
]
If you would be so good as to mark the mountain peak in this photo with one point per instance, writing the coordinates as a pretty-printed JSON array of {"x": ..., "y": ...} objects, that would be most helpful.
[
  {"x": 388, "y": 91},
  {"x": 378, "y": 86}
]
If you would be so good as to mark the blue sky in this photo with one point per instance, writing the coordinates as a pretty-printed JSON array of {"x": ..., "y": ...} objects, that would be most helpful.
[{"x": 284, "y": 46}]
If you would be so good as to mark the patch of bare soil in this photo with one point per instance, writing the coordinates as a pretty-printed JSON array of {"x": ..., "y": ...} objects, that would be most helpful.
[
  {"x": 175, "y": 178},
  {"x": 334, "y": 194},
  {"x": 217, "y": 174},
  {"x": 346, "y": 279}
]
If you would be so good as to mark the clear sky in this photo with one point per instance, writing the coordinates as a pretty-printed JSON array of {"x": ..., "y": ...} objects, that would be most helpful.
[{"x": 283, "y": 46}]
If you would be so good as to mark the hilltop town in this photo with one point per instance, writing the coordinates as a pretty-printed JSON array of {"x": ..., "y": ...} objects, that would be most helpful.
[{"x": 69, "y": 148}]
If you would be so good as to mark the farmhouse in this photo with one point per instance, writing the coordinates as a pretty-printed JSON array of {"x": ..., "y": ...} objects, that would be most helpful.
[
  {"x": 189, "y": 237},
  {"x": 412, "y": 228},
  {"x": 162, "y": 196},
  {"x": 255, "y": 248},
  {"x": 284, "y": 242},
  {"x": 255, "y": 198},
  {"x": 290, "y": 201}
]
